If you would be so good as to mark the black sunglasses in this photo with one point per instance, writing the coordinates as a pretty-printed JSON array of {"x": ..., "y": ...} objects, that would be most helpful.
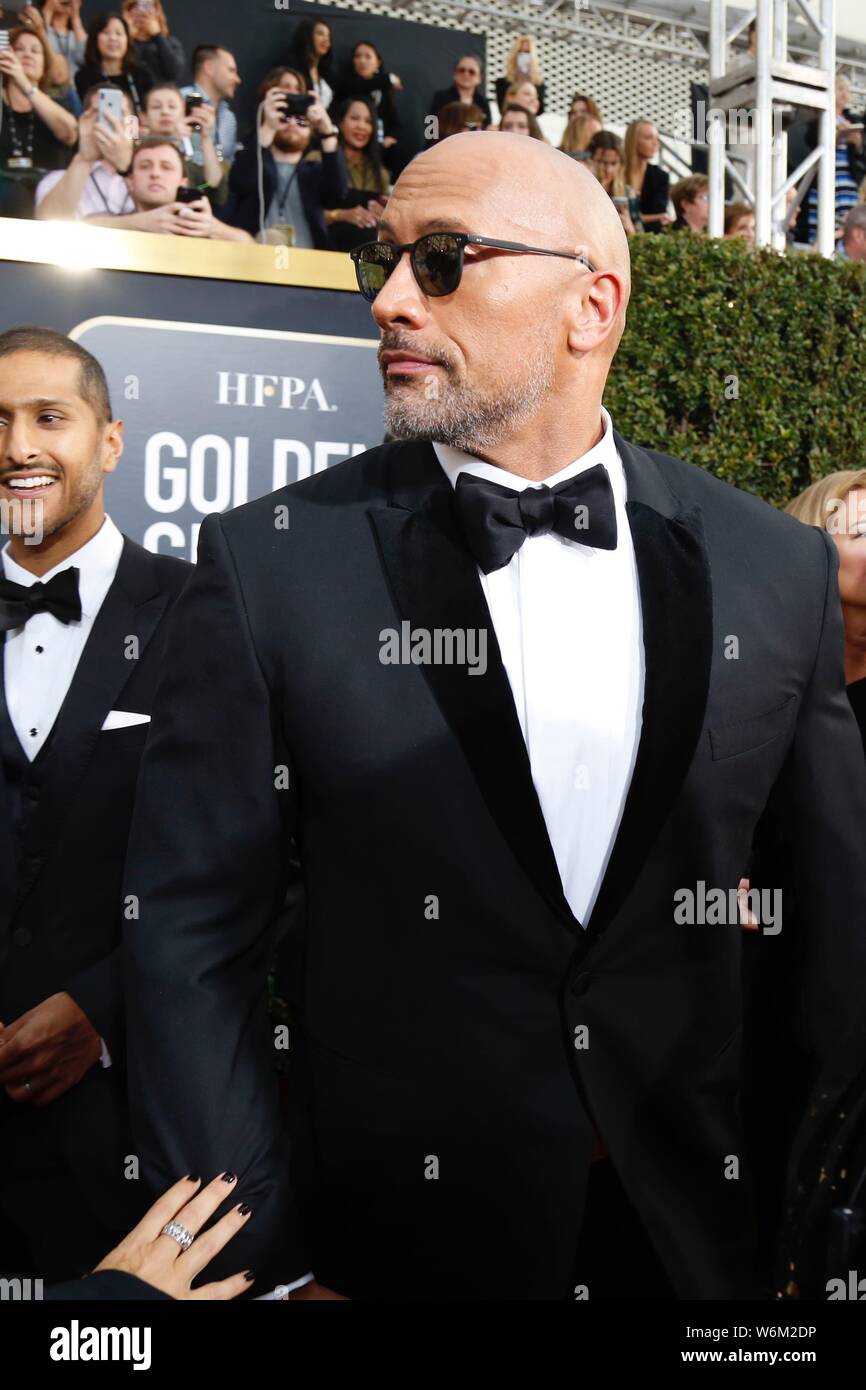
[{"x": 436, "y": 259}]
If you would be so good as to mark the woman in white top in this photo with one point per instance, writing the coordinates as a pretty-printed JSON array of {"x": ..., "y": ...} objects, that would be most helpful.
[{"x": 312, "y": 55}]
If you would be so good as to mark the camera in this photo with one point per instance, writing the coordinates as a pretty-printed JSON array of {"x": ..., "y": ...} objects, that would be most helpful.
[{"x": 295, "y": 104}]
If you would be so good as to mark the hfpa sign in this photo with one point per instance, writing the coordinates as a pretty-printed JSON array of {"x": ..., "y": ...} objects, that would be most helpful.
[{"x": 715, "y": 126}]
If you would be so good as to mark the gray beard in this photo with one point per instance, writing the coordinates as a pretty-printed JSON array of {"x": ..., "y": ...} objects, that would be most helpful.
[{"x": 466, "y": 419}]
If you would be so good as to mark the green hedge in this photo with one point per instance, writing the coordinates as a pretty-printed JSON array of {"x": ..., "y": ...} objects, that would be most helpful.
[{"x": 746, "y": 362}]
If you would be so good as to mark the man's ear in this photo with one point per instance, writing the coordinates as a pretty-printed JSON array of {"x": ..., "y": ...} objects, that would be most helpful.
[
  {"x": 595, "y": 310},
  {"x": 112, "y": 440}
]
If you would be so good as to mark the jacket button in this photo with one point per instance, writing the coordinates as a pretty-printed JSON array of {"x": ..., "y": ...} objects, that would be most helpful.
[
  {"x": 21, "y": 937},
  {"x": 580, "y": 984}
]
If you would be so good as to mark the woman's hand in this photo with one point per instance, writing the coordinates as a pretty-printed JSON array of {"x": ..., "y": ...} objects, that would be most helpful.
[
  {"x": 33, "y": 19},
  {"x": 161, "y": 1262},
  {"x": 10, "y": 66},
  {"x": 358, "y": 217}
]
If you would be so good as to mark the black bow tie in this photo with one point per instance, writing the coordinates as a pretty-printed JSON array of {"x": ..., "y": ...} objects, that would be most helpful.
[
  {"x": 496, "y": 520},
  {"x": 59, "y": 596}
]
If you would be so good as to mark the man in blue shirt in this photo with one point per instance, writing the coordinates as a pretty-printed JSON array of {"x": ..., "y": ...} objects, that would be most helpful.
[{"x": 215, "y": 80}]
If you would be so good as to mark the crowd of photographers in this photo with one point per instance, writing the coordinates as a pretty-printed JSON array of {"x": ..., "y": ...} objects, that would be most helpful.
[{"x": 99, "y": 124}]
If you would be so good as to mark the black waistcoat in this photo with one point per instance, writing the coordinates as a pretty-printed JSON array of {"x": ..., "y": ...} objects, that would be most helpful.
[{"x": 24, "y": 779}]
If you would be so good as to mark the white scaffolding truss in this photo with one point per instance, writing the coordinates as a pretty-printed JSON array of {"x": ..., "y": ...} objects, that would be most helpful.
[{"x": 761, "y": 93}]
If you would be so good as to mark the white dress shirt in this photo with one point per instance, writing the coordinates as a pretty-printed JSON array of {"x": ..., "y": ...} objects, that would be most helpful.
[
  {"x": 105, "y": 194},
  {"x": 39, "y": 659},
  {"x": 567, "y": 618}
]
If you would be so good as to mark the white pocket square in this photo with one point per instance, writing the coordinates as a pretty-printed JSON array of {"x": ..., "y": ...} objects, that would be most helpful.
[{"x": 124, "y": 719}]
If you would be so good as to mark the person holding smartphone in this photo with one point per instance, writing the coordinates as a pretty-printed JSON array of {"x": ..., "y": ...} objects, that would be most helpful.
[
  {"x": 94, "y": 183},
  {"x": 192, "y": 122},
  {"x": 37, "y": 133},
  {"x": 163, "y": 199},
  {"x": 850, "y": 165},
  {"x": 65, "y": 32},
  {"x": 357, "y": 217},
  {"x": 284, "y": 178},
  {"x": 160, "y": 52}
]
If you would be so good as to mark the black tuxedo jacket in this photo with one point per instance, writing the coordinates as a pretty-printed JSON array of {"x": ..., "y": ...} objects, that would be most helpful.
[
  {"x": 60, "y": 908},
  {"x": 447, "y": 1138}
]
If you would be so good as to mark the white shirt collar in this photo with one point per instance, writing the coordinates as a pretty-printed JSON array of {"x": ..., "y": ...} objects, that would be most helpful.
[
  {"x": 97, "y": 561},
  {"x": 455, "y": 461}
]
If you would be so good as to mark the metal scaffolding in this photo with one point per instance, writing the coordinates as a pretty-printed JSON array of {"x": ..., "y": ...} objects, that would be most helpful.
[{"x": 758, "y": 95}]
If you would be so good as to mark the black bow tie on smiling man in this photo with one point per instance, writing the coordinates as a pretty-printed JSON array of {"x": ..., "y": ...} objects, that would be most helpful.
[
  {"x": 496, "y": 520},
  {"x": 59, "y": 596}
]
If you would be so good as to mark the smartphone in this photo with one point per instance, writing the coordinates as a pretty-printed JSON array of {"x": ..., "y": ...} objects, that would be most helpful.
[
  {"x": 185, "y": 194},
  {"x": 110, "y": 103},
  {"x": 192, "y": 101}
]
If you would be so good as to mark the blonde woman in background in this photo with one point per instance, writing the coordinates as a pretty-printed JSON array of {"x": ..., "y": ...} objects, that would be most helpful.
[
  {"x": 837, "y": 504},
  {"x": 650, "y": 182},
  {"x": 522, "y": 65},
  {"x": 578, "y": 133}
]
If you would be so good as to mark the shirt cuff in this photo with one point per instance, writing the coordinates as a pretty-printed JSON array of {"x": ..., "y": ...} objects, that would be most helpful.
[
  {"x": 282, "y": 1291},
  {"x": 105, "y": 1055}
]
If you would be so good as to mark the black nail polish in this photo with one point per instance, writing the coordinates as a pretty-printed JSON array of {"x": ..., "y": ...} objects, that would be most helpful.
[
  {"x": 244, "y": 1209},
  {"x": 230, "y": 1177},
  {"x": 249, "y": 1276},
  {"x": 193, "y": 1177}
]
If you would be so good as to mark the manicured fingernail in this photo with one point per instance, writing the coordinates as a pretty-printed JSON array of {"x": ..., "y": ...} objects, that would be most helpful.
[
  {"x": 244, "y": 1209},
  {"x": 193, "y": 1177},
  {"x": 249, "y": 1276},
  {"x": 230, "y": 1177}
]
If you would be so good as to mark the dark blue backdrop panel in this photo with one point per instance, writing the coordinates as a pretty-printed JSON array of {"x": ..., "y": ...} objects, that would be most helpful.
[{"x": 226, "y": 391}]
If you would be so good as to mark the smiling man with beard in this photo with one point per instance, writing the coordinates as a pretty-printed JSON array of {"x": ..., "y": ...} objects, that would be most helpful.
[{"x": 81, "y": 616}]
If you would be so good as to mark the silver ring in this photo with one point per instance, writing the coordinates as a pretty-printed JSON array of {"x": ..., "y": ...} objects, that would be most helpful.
[{"x": 179, "y": 1233}]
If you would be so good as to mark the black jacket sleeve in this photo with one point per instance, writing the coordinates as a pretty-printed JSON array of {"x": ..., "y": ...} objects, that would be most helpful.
[
  {"x": 655, "y": 193},
  {"x": 209, "y": 861},
  {"x": 98, "y": 992},
  {"x": 242, "y": 208}
]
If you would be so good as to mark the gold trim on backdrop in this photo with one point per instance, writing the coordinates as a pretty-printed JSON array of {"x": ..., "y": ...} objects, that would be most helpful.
[
  {"x": 227, "y": 331},
  {"x": 79, "y": 247}
]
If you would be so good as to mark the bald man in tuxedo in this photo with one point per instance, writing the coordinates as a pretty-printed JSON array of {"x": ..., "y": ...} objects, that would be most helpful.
[{"x": 482, "y": 681}]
